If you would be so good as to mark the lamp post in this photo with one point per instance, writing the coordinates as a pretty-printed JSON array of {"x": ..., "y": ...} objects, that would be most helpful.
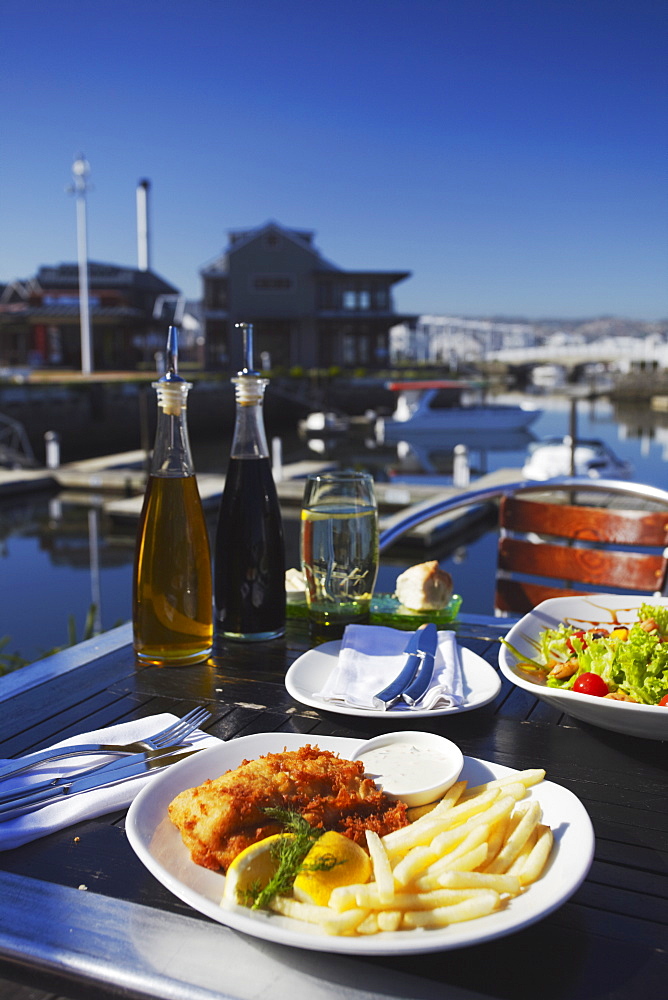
[{"x": 80, "y": 172}]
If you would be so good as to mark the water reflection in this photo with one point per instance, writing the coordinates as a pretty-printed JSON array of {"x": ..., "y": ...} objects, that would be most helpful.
[{"x": 60, "y": 554}]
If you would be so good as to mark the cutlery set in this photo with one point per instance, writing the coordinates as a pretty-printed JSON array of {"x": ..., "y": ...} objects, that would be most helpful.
[
  {"x": 169, "y": 745},
  {"x": 135, "y": 759},
  {"x": 415, "y": 677}
]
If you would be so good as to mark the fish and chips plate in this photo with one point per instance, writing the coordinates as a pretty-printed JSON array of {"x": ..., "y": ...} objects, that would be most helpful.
[{"x": 556, "y": 817}]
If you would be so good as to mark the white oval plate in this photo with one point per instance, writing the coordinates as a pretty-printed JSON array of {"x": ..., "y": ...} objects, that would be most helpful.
[
  {"x": 158, "y": 844},
  {"x": 308, "y": 673},
  {"x": 648, "y": 721}
]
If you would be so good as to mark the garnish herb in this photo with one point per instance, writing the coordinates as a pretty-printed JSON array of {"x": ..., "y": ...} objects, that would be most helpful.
[{"x": 289, "y": 852}]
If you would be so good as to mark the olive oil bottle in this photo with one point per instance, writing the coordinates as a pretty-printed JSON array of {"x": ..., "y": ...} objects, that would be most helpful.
[
  {"x": 172, "y": 607},
  {"x": 249, "y": 558}
]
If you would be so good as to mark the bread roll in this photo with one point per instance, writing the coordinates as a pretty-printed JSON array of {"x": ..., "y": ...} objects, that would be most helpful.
[{"x": 424, "y": 587}]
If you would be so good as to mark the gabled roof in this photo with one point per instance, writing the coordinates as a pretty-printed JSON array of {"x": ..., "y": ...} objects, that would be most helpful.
[
  {"x": 103, "y": 276},
  {"x": 239, "y": 238}
]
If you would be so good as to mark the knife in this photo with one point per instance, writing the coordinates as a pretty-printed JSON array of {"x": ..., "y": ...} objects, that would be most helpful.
[
  {"x": 425, "y": 671},
  {"x": 414, "y": 654},
  {"x": 107, "y": 774},
  {"x": 19, "y": 764}
]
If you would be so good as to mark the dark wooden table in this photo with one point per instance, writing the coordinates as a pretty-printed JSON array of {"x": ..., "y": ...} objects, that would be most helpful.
[{"x": 126, "y": 935}]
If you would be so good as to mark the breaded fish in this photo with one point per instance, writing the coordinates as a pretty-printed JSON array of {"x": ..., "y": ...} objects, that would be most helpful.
[{"x": 222, "y": 816}]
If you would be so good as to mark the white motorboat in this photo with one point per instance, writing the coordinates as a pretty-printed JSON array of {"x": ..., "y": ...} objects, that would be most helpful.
[
  {"x": 437, "y": 405},
  {"x": 324, "y": 422},
  {"x": 549, "y": 377},
  {"x": 590, "y": 457}
]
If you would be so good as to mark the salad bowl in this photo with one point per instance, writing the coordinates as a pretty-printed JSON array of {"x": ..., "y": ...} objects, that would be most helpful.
[{"x": 583, "y": 612}]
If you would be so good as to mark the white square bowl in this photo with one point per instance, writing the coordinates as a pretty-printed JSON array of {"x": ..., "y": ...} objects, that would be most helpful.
[{"x": 647, "y": 721}]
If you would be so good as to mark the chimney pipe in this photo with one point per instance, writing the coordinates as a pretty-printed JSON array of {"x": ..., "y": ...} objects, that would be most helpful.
[{"x": 143, "y": 248}]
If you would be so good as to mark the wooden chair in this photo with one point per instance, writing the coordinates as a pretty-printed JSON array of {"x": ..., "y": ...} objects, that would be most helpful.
[
  {"x": 569, "y": 544},
  {"x": 557, "y": 549}
]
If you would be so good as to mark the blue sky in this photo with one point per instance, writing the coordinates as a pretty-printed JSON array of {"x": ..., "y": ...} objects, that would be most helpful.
[{"x": 511, "y": 154}]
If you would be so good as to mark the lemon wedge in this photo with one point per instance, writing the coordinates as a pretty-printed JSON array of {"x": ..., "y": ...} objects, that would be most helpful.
[
  {"x": 255, "y": 865},
  {"x": 354, "y": 865}
]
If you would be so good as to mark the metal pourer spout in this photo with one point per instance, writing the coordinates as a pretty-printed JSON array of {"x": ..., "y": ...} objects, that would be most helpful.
[
  {"x": 247, "y": 331},
  {"x": 172, "y": 389},
  {"x": 249, "y": 384}
]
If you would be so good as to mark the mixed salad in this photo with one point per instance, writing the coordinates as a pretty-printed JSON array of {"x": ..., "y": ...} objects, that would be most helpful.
[{"x": 622, "y": 662}]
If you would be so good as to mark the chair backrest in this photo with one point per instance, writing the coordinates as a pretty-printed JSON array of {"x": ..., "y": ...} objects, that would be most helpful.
[
  {"x": 599, "y": 539},
  {"x": 555, "y": 549}
]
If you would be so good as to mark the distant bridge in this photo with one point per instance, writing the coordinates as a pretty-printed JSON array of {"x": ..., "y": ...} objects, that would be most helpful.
[{"x": 624, "y": 352}]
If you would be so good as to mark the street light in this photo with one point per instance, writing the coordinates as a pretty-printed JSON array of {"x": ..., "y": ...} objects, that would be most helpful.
[{"x": 80, "y": 173}]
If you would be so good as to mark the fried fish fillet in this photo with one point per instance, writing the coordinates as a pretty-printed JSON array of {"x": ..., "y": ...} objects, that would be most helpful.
[{"x": 222, "y": 816}]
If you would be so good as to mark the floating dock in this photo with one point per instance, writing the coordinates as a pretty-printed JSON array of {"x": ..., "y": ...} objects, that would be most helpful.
[{"x": 116, "y": 484}]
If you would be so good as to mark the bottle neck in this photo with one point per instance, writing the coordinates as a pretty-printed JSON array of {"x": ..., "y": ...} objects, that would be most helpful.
[
  {"x": 250, "y": 439},
  {"x": 171, "y": 454}
]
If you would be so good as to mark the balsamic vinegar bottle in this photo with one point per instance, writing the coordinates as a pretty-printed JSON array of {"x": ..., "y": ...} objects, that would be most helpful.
[
  {"x": 249, "y": 557},
  {"x": 172, "y": 609}
]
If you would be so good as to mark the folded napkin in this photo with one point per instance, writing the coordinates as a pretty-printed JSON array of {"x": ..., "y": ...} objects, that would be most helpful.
[
  {"x": 371, "y": 656},
  {"x": 85, "y": 805}
]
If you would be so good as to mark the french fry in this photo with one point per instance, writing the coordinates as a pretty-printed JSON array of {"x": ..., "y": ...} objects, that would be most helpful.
[
  {"x": 518, "y": 864},
  {"x": 535, "y": 863},
  {"x": 515, "y": 842},
  {"x": 467, "y": 862},
  {"x": 438, "y": 820},
  {"x": 474, "y": 838},
  {"x": 470, "y": 854},
  {"x": 462, "y": 858},
  {"x": 367, "y": 898},
  {"x": 344, "y": 897},
  {"x": 497, "y": 835},
  {"x": 382, "y": 870},
  {"x": 449, "y": 799},
  {"x": 330, "y": 921},
  {"x": 389, "y": 920},
  {"x": 469, "y": 909},
  {"x": 509, "y": 884},
  {"x": 413, "y": 863},
  {"x": 529, "y": 777},
  {"x": 369, "y": 925}
]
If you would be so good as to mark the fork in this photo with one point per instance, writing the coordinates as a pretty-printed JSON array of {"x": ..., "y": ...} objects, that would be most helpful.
[{"x": 175, "y": 733}]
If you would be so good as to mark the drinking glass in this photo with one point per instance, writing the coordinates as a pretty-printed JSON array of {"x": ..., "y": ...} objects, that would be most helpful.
[{"x": 339, "y": 549}]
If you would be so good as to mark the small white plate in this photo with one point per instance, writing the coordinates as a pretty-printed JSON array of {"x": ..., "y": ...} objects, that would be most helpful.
[
  {"x": 648, "y": 721},
  {"x": 308, "y": 673},
  {"x": 158, "y": 844}
]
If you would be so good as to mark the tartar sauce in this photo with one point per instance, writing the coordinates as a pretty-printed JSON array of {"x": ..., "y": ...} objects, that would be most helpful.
[{"x": 402, "y": 767}]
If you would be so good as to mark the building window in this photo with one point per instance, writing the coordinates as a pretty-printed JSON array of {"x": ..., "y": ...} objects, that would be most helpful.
[
  {"x": 357, "y": 299},
  {"x": 348, "y": 349},
  {"x": 272, "y": 282}
]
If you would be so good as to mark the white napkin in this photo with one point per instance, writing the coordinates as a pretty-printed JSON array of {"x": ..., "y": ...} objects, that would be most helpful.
[
  {"x": 86, "y": 805},
  {"x": 372, "y": 655}
]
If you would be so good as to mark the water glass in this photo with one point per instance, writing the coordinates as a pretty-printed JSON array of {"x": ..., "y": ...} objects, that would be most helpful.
[{"x": 339, "y": 549}]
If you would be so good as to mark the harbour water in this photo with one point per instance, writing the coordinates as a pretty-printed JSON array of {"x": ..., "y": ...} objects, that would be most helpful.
[{"x": 60, "y": 555}]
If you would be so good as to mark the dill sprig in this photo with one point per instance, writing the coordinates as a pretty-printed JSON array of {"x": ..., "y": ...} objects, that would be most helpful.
[{"x": 289, "y": 853}]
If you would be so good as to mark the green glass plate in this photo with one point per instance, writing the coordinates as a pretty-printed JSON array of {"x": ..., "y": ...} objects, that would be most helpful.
[{"x": 386, "y": 610}]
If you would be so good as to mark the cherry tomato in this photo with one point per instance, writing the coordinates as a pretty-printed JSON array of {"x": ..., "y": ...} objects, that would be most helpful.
[
  {"x": 576, "y": 635},
  {"x": 589, "y": 683},
  {"x": 664, "y": 701}
]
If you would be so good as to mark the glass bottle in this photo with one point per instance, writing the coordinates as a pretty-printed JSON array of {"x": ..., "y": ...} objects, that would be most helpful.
[
  {"x": 172, "y": 607},
  {"x": 249, "y": 557}
]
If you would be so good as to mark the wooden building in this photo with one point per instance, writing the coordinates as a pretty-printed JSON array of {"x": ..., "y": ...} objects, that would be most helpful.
[
  {"x": 305, "y": 310},
  {"x": 40, "y": 324}
]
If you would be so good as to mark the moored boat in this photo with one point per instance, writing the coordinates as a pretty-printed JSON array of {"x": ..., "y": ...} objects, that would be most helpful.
[
  {"x": 440, "y": 405},
  {"x": 590, "y": 457}
]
